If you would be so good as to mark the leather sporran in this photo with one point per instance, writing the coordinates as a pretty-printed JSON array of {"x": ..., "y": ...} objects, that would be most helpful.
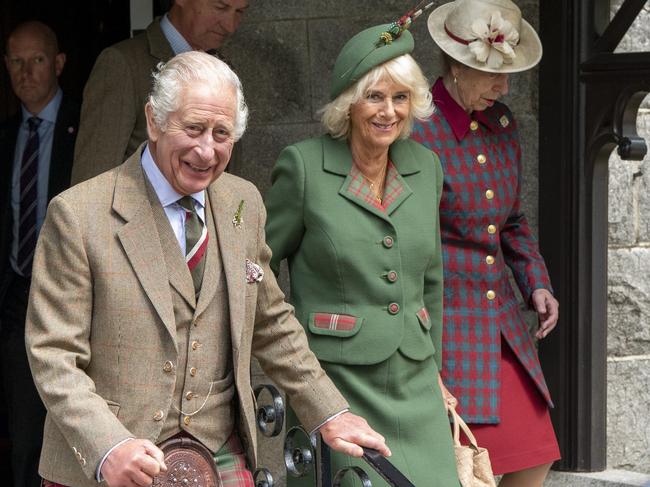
[
  {"x": 189, "y": 463},
  {"x": 472, "y": 461}
]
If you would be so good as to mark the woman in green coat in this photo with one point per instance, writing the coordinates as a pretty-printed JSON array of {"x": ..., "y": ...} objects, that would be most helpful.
[{"x": 355, "y": 213}]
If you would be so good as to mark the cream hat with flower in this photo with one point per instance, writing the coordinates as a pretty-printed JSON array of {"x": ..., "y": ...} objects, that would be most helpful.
[{"x": 488, "y": 35}]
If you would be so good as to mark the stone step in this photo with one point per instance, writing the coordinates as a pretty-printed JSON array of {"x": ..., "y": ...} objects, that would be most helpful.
[{"x": 608, "y": 478}]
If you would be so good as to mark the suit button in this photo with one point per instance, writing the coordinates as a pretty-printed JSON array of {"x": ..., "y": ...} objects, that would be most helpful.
[
  {"x": 158, "y": 415},
  {"x": 187, "y": 420},
  {"x": 492, "y": 229},
  {"x": 473, "y": 125},
  {"x": 193, "y": 371},
  {"x": 195, "y": 323},
  {"x": 168, "y": 366},
  {"x": 393, "y": 308},
  {"x": 189, "y": 396},
  {"x": 391, "y": 276},
  {"x": 481, "y": 159},
  {"x": 489, "y": 194},
  {"x": 490, "y": 295},
  {"x": 388, "y": 241},
  {"x": 195, "y": 345},
  {"x": 489, "y": 260}
]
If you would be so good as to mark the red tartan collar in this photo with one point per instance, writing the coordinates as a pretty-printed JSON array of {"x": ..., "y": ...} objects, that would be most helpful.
[{"x": 455, "y": 115}]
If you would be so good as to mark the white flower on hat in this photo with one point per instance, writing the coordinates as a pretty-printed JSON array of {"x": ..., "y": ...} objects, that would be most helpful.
[{"x": 494, "y": 41}]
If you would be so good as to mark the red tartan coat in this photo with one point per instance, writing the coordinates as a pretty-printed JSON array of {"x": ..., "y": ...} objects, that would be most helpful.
[{"x": 483, "y": 231}]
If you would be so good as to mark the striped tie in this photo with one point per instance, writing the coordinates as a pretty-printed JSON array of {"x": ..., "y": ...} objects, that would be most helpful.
[
  {"x": 196, "y": 241},
  {"x": 28, "y": 199}
]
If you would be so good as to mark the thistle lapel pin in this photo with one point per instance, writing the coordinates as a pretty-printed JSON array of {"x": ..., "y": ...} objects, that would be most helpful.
[
  {"x": 504, "y": 121},
  {"x": 237, "y": 220}
]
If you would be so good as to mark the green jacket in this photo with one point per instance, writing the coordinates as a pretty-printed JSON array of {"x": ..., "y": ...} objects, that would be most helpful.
[{"x": 364, "y": 282}]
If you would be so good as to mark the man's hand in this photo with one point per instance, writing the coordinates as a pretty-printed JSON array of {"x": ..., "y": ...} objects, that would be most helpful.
[
  {"x": 547, "y": 309},
  {"x": 348, "y": 432},
  {"x": 133, "y": 463}
]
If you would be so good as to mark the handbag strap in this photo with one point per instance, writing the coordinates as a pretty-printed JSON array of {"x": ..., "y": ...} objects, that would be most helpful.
[{"x": 459, "y": 424}]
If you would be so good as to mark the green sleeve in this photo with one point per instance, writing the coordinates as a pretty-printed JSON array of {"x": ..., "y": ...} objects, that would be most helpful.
[
  {"x": 433, "y": 280},
  {"x": 284, "y": 205}
]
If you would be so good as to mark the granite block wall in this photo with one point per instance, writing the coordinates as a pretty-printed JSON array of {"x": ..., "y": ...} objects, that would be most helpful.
[{"x": 628, "y": 343}]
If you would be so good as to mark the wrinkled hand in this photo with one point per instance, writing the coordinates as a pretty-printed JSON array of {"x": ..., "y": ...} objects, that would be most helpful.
[
  {"x": 547, "y": 309},
  {"x": 348, "y": 432},
  {"x": 450, "y": 401},
  {"x": 133, "y": 463}
]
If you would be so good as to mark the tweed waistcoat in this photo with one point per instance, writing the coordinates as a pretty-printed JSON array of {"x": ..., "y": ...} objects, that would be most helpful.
[
  {"x": 204, "y": 387},
  {"x": 484, "y": 233}
]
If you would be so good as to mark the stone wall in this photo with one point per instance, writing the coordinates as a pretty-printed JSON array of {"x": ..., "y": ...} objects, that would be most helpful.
[
  {"x": 628, "y": 342},
  {"x": 284, "y": 52}
]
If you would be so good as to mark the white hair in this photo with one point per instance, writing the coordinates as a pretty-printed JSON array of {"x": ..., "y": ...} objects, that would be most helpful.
[
  {"x": 181, "y": 72},
  {"x": 335, "y": 116}
]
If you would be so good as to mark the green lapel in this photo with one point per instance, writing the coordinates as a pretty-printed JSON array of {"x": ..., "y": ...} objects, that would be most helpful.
[{"x": 337, "y": 159}]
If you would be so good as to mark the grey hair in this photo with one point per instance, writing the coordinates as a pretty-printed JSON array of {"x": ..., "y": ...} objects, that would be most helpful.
[
  {"x": 335, "y": 116},
  {"x": 184, "y": 70}
]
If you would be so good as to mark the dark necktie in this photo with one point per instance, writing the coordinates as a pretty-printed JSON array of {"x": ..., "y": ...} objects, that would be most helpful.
[
  {"x": 28, "y": 199},
  {"x": 196, "y": 241}
]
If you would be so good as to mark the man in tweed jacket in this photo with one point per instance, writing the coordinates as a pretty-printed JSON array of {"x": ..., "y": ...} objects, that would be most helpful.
[
  {"x": 112, "y": 115},
  {"x": 124, "y": 350}
]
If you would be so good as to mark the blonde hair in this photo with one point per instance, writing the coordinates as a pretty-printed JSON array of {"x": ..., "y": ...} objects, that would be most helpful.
[{"x": 335, "y": 116}]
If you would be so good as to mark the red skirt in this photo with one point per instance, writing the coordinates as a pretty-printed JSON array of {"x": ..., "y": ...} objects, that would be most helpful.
[{"x": 525, "y": 437}]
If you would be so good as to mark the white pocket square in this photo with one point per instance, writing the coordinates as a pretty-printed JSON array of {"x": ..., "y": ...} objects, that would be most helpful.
[{"x": 254, "y": 273}]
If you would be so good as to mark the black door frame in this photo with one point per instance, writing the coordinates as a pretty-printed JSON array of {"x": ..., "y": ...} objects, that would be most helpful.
[{"x": 589, "y": 99}]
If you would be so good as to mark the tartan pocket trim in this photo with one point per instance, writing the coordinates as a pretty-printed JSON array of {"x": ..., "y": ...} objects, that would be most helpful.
[
  {"x": 424, "y": 319},
  {"x": 333, "y": 324}
]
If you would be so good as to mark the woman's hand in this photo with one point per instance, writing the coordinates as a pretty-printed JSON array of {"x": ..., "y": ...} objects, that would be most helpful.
[
  {"x": 450, "y": 401},
  {"x": 547, "y": 309}
]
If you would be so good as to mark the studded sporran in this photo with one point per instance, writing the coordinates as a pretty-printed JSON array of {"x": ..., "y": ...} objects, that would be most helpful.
[
  {"x": 472, "y": 461},
  {"x": 189, "y": 463}
]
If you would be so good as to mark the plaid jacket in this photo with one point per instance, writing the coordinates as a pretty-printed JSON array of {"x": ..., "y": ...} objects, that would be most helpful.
[{"x": 483, "y": 231}]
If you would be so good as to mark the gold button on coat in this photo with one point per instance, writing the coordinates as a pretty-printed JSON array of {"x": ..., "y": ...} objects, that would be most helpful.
[
  {"x": 195, "y": 345},
  {"x": 490, "y": 295},
  {"x": 489, "y": 194},
  {"x": 187, "y": 420},
  {"x": 189, "y": 396},
  {"x": 473, "y": 125},
  {"x": 489, "y": 260},
  {"x": 168, "y": 366},
  {"x": 158, "y": 415},
  {"x": 193, "y": 371},
  {"x": 492, "y": 229},
  {"x": 481, "y": 158}
]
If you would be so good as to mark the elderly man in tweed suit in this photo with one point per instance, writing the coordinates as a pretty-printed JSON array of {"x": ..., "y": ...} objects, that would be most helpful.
[{"x": 151, "y": 291}]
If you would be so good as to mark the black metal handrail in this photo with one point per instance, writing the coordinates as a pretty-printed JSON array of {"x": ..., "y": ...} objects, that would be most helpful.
[{"x": 306, "y": 454}]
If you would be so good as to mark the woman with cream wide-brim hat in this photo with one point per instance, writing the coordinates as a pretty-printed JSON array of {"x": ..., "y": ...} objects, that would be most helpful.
[{"x": 490, "y": 362}]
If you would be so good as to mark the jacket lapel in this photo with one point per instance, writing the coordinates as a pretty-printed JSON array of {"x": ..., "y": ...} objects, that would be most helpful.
[
  {"x": 337, "y": 159},
  {"x": 140, "y": 239},
  {"x": 232, "y": 250},
  {"x": 177, "y": 270}
]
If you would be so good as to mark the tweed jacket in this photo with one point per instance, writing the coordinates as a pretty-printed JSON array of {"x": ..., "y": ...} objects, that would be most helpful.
[
  {"x": 65, "y": 133},
  {"x": 484, "y": 232},
  {"x": 366, "y": 280},
  {"x": 113, "y": 122},
  {"x": 101, "y": 319}
]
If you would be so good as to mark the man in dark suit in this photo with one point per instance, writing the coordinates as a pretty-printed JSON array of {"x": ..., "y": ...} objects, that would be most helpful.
[
  {"x": 112, "y": 114},
  {"x": 36, "y": 147}
]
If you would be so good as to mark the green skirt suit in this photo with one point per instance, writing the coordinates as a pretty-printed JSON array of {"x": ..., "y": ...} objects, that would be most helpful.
[{"x": 366, "y": 282}]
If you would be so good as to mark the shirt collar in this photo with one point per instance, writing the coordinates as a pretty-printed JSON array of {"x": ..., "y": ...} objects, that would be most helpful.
[
  {"x": 175, "y": 39},
  {"x": 47, "y": 114},
  {"x": 166, "y": 194},
  {"x": 457, "y": 118}
]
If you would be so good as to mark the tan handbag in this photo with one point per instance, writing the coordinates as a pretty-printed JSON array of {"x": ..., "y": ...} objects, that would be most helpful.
[{"x": 472, "y": 461}]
